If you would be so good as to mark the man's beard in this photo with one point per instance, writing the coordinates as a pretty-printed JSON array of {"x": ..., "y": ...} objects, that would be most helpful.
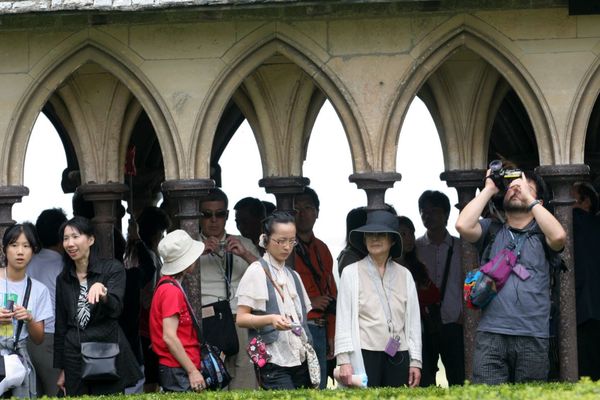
[{"x": 514, "y": 207}]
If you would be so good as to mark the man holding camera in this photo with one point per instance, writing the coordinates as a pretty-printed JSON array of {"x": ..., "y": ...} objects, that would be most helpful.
[
  {"x": 314, "y": 264},
  {"x": 512, "y": 337},
  {"x": 223, "y": 263}
]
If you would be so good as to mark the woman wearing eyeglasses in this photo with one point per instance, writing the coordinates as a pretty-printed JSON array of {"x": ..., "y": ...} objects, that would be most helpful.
[
  {"x": 378, "y": 327},
  {"x": 272, "y": 304}
]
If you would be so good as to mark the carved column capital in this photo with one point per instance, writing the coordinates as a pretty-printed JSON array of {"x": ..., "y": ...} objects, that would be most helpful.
[
  {"x": 284, "y": 188},
  {"x": 375, "y": 184},
  {"x": 186, "y": 193},
  {"x": 465, "y": 181}
]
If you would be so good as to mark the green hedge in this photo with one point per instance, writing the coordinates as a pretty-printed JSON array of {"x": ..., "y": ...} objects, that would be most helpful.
[{"x": 585, "y": 389}]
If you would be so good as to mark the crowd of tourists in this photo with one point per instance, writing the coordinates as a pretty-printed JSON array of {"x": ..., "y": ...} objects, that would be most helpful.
[{"x": 273, "y": 313}]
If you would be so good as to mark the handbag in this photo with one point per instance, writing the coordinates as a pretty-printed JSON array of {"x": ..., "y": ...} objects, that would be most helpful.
[
  {"x": 213, "y": 369},
  {"x": 12, "y": 369},
  {"x": 257, "y": 351},
  {"x": 314, "y": 369},
  {"x": 219, "y": 328},
  {"x": 99, "y": 361},
  {"x": 217, "y": 319}
]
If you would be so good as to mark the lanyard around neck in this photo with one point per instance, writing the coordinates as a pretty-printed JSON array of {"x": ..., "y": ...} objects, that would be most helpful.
[{"x": 377, "y": 280}]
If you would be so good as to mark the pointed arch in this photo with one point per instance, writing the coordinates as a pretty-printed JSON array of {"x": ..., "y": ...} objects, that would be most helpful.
[
  {"x": 54, "y": 69},
  {"x": 248, "y": 55},
  {"x": 588, "y": 94},
  {"x": 467, "y": 31}
]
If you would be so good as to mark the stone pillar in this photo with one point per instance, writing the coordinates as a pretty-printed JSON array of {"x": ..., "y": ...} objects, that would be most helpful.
[
  {"x": 187, "y": 193},
  {"x": 466, "y": 183},
  {"x": 9, "y": 195},
  {"x": 105, "y": 197},
  {"x": 284, "y": 188},
  {"x": 561, "y": 178},
  {"x": 375, "y": 184}
]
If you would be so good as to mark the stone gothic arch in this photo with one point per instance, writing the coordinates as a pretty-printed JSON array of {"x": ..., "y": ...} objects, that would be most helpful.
[
  {"x": 53, "y": 70},
  {"x": 579, "y": 116},
  {"x": 467, "y": 32},
  {"x": 248, "y": 55}
]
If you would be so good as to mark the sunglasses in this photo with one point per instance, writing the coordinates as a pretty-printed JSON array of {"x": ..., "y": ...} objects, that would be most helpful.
[{"x": 216, "y": 214}]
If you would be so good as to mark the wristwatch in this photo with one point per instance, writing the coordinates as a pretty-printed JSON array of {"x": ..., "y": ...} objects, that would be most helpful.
[
  {"x": 104, "y": 291},
  {"x": 533, "y": 204}
]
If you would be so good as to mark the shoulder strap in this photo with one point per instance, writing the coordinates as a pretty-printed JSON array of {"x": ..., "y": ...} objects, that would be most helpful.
[
  {"x": 263, "y": 263},
  {"x": 447, "y": 269},
  {"x": 301, "y": 251},
  {"x": 197, "y": 326},
  {"x": 488, "y": 240},
  {"x": 25, "y": 304}
]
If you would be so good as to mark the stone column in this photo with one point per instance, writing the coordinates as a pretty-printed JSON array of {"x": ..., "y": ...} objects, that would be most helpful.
[
  {"x": 466, "y": 183},
  {"x": 9, "y": 195},
  {"x": 375, "y": 184},
  {"x": 105, "y": 197},
  {"x": 561, "y": 178},
  {"x": 284, "y": 188},
  {"x": 187, "y": 193}
]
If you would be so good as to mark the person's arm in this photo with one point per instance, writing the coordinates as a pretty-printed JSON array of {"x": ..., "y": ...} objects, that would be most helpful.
[
  {"x": 245, "y": 319},
  {"x": 467, "y": 223},
  {"x": 34, "y": 329},
  {"x": 343, "y": 328},
  {"x": 236, "y": 246},
  {"x": 176, "y": 349},
  {"x": 551, "y": 228},
  {"x": 110, "y": 295}
]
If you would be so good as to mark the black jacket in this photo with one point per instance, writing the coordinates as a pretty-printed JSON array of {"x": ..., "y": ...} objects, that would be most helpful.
[{"x": 103, "y": 324}]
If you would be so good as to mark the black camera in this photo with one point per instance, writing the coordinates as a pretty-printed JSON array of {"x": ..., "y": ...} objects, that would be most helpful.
[{"x": 503, "y": 176}]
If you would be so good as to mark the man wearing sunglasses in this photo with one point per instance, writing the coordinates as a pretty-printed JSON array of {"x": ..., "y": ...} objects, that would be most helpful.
[{"x": 223, "y": 263}]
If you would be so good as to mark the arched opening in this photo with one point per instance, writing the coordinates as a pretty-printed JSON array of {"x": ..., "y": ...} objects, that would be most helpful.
[{"x": 43, "y": 174}]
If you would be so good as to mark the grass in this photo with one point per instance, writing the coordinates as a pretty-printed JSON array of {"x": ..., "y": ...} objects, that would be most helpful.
[{"x": 585, "y": 390}]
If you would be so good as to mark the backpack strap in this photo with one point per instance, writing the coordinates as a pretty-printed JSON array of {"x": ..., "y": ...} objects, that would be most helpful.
[
  {"x": 488, "y": 240},
  {"x": 21, "y": 322}
]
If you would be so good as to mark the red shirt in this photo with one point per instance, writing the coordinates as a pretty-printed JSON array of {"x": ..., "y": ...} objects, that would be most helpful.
[
  {"x": 168, "y": 301},
  {"x": 323, "y": 265}
]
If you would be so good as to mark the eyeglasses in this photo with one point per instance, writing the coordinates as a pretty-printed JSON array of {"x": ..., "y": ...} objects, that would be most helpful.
[
  {"x": 216, "y": 214},
  {"x": 281, "y": 242}
]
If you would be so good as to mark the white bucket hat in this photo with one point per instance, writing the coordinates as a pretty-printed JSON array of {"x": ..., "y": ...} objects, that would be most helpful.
[{"x": 178, "y": 251}]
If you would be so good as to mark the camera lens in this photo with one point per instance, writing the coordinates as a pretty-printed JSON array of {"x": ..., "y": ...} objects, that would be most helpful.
[{"x": 496, "y": 165}]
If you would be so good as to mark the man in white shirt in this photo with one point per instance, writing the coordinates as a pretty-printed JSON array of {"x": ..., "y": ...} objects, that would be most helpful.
[
  {"x": 219, "y": 247},
  {"x": 45, "y": 267},
  {"x": 441, "y": 253}
]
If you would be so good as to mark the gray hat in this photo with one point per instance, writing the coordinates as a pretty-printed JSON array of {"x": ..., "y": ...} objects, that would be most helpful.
[
  {"x": 378, "y": 221},
  {"x": 178, "y": 251}
]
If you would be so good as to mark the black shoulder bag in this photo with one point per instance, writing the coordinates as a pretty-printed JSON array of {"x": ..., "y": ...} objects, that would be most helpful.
[
  {"x": 217, "y": 319},
  {"x": 212, "y": 369}
]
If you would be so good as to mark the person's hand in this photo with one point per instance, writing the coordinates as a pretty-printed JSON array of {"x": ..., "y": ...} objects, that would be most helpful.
[
  {"x": 6, "y": 316},
  {"x": 414, "y": 376},
  {"x": 211, "y": 245},
  {"x": 22, "y": 314},
  {"x": 524, "y": 190},
  {"x": 490, "y": 186},
  {"x": 280, "y": 322},
  {"x": 235, "y": 246},
  {"x": 60, "y": 382},
  {"x": 320, "y": 302},
  {"x": 97, "y": 292},
  {"x": 346, "y": 373},
  {"x": 196, "y": 381}
]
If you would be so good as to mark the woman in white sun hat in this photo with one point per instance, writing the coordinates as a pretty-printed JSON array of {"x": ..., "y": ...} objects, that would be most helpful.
[{"x": 172, "y": 332}]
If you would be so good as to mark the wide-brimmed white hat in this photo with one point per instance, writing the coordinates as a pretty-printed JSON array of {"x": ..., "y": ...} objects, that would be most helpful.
[{"x": 178, "y": 251}]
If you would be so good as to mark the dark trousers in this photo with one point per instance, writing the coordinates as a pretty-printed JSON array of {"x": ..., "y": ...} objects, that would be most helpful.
[
  {"x": 274, "y": 377},
  {"x": 588, "y": 347},
  {"x": 173, "y": 379},
  {"x": 449, "y": 345},
  {"x": 383, "y": 370},
  {"x": 502, "y": 358}
]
